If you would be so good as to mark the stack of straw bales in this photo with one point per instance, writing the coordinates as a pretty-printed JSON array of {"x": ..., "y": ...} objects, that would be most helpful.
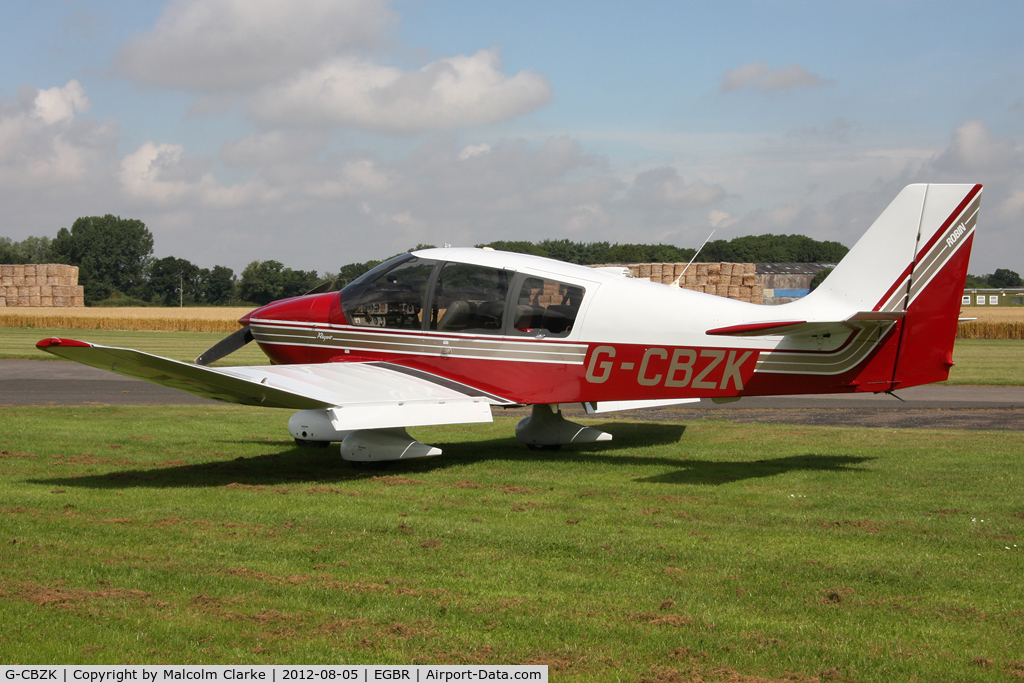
[
  {"x": 40, "y": 285},
  {"x": 729, "y": 280}
]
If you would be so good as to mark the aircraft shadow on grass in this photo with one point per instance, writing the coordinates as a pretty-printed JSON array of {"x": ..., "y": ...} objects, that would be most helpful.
[{"x": 285, "y": 463}]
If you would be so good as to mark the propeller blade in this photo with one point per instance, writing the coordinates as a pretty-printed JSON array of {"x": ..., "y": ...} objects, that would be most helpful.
[
  {"x": 228, "y": 344},
  {"x": 321, "y": 288}
]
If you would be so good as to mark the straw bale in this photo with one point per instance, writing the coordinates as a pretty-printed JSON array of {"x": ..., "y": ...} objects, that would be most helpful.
[
  {"x": 714, "y": 269},
  {"x": 701, "y": 280},
  {"x": 7, "y": 270},
  {"x": 35, "y": 301},
  {"x": 33, "y": 290},
  {"x": 42, "y": 270},
  {"x": 714, "y": 278},
  {"x": 645, "y": 270},
  {"x": 757, "y": 293},
  {"x": 749, "y": 269},
  {"x": 6, "y": 280},
  {"x": 59, "y": 301},
  {"x": 78, "y": 301},
  {"x": 734, "y": 291},
  {"x": 46, "y": 290},
  {"x": 725, "y": 269},
  {"x": 30, "y": 270},
  {"x": 634, "y": 270},
  {"x": 46, "y": 301},
  {"x": 667, "y": 274},
  {"x": 749, "y": 280},
  {"x": 702, "y": 269},
  {"x": 3, "y": 302},
  {"x": 18, "y": 279},
  {"x": 656, "y": 272},
  {"x": 23, "y": 301},
  {"x": 745, "y": 292},
  {"x": 691, "y": 277}
]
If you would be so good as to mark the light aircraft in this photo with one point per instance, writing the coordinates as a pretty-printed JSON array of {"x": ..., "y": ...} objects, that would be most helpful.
[{"x": 442, "y": 336}]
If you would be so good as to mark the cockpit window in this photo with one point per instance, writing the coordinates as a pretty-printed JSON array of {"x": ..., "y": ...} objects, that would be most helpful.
[
  {"x": 470, "y": 298},
  {"x": 547, "y": 307},
  {"x": 392, "y": 297}
]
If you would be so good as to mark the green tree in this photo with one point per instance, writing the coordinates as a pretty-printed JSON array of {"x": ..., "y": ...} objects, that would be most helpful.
[
  {"x": 29, "y": 250},
  {"x": 819, "y": 277},
  {"x": 217, "y": 285},
  {"x": 7, "y": 253},
  {"x": 1004, "y": 278},
  {"x": 265, "y": 281},
  {"x": 518, "y": 247},
  {"x": 111, "y": 253},
  {"x": 173, "y": 281}
]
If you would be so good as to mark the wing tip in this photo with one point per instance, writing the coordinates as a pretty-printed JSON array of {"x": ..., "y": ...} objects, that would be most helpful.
[{"x": 57, "y": 341}]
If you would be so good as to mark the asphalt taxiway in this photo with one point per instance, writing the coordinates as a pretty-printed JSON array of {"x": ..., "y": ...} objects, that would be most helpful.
[{"x": 58, "y": 383}]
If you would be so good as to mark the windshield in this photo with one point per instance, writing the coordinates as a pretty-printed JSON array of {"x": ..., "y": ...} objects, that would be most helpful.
[{"x": 391, "y": 295}]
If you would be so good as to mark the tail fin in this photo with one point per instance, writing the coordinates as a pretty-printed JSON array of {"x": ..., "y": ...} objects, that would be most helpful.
[{"x": 913, "y": 260}]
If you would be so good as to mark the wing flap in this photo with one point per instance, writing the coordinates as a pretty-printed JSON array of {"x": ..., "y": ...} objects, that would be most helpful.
[{"x": 361, "y": 395}]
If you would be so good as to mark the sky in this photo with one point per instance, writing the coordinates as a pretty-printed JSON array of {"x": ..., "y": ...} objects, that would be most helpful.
[{"x": 321, "y": 133}]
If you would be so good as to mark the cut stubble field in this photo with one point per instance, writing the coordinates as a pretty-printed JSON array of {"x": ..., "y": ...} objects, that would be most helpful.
[{"x": 700, "y": 552}]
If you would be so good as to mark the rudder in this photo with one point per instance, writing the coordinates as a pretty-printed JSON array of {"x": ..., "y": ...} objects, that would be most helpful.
[{"x": 932, "y": 293}]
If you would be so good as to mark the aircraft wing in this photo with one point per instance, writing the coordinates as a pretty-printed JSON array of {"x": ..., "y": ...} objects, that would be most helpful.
[{"x": 371, "y": 395}]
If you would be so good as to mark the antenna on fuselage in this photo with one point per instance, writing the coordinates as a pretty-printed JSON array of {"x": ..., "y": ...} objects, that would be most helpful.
[{"x": 676, "y": 282}]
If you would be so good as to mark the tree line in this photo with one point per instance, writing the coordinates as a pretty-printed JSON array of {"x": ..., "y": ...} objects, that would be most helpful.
[
  {"x": 116, "y": 266},
  {"x": 115, "y": 263}
]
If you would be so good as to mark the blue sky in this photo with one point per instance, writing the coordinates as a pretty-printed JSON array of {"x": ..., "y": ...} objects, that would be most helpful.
[{"x": 322, "y": 133}]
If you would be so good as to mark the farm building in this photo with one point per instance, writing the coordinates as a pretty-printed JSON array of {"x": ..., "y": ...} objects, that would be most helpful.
[{"x": 1009, "y": 296}]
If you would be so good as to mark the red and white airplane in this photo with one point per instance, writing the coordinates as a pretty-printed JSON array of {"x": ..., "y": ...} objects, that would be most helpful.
[{"x": 441, "y": 336}]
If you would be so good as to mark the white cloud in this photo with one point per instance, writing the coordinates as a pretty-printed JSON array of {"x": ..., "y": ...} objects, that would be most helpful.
[
  {"x": 61, "y": 104},
  {"x": 760, "y": 76},
  {"x": 974, "y": 150},
  {"x": 470, "y": 151},
  {"x": 355, "y": 179},
  {"x": 161, "y": 174},
  {"x": 449, "y": 92},
  {"x": 238, "y": 44},
  {"x": 663, "y": 189},
  {"x": 42, "y": 141},
  {"x": 720, "y": 219}
]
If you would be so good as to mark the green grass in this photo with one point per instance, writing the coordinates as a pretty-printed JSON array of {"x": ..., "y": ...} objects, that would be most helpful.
[
  {"x": 994, "y": 362},
  {"x": 20, "y": 343},
  {"x": 202, "y": 535}
]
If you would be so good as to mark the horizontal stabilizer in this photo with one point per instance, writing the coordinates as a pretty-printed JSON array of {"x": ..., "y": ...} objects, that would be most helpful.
[{"x": 787, "y": 328}]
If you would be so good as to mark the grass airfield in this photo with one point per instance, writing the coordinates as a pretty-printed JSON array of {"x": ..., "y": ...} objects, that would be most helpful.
[
  {"x": 698, "y": 552},
  {"x": 705, "y": 551}
]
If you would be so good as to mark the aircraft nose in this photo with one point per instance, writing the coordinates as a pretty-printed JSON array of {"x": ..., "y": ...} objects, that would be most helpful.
[{"x": 307, "y": 309}]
